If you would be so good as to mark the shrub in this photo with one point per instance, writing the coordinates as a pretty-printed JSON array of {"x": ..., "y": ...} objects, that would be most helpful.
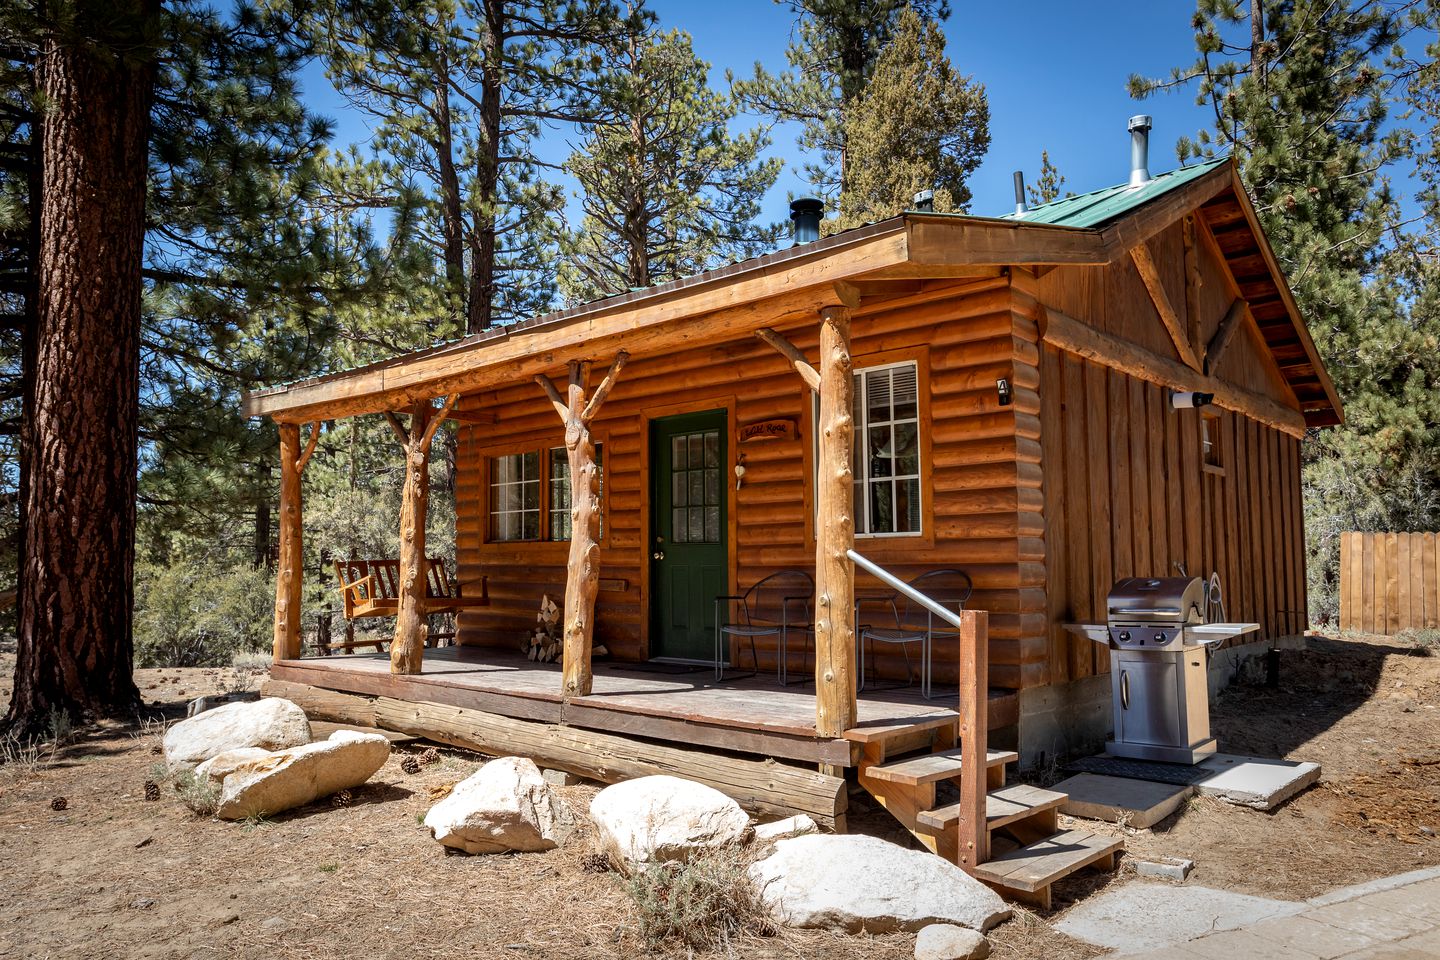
[
  {"x": 200, "y": 614},
  {"x": 703, "y": 903},
  {"x": 197, "y": 793}
]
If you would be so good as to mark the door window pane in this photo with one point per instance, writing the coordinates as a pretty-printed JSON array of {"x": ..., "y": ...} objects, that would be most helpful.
[{"x": 696, "y": 487}]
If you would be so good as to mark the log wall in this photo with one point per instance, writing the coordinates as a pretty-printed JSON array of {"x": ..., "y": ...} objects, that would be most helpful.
[{"x": 980, "y": 461}]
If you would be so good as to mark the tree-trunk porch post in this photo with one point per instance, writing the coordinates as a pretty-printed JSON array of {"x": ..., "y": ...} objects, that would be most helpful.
[
  {"x": 407, "y": 650},
  {"x": 835, "y": 680},
  {"x": 582, "y": 573},
  {"x": 289, "y": 568}
]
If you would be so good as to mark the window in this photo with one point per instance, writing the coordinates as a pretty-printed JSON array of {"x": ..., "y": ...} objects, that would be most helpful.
[
  {"x": 520, "y": 501},
  {"x": 559, "y": 490},
  {"x": 1210, "y": 442},
  {"x": 886, "y": 451},
  {"x": 515, "y": 497}
]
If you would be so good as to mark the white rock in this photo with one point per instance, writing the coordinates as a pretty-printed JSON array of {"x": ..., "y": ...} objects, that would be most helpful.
[
  {"x": 220, "y": 766},
  {"x": 789, "y": 827},
  {"x": 658, "y": 819},
  {"x": 505, "y": 805},
  {"x": 561, "y": 778},
  {"x": 945, "y": 941},
  {"x": 292, "y": 778},
  {"x": 855, "y": 883},
  {"x": 270, "y": 724}
]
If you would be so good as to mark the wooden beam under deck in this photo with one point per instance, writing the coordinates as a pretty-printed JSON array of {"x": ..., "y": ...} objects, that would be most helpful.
[{"x": 748, "y": 716}]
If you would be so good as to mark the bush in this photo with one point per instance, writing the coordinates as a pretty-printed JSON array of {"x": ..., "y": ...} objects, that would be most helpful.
[
  {"x": 703, "y": 903},
  {"x": 197, "y": 613}
]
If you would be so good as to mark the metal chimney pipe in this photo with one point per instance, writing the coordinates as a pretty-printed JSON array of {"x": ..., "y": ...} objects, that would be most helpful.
[
  {"x": 805, "y": 214},
  {"x": 924, "y": 201},
  {"x": 1020, "y": 206},
  {"x": 1139, "y": 128}
]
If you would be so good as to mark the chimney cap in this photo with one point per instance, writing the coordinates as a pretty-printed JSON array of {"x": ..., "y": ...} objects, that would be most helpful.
[
  {"x": 804, "y": 206},
  {"x": 924, "y": 200},
  {"x": 1142, "y": 121}
]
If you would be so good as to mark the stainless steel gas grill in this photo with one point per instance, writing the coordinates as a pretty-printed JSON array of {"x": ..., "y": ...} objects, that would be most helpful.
[{"x": 1157, "y": 631}]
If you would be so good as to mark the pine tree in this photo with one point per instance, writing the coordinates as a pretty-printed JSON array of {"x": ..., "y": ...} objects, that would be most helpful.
[
  {"x": 668, "y": 191},
  {"x": 917, "y": 125},
  {"x": 460, "y": 91},
  {"x": 1049, "y": 184},
  {"x": 96, "y": 69},
  {"x": 1300, "y": 94},
  {"x": 834, "y": 52}
]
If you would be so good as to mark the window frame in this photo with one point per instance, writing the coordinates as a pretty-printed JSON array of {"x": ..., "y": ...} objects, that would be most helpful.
[
  {"x": 919, "y": 357},
  {"x": 543, "y": 446},
  {"x": 492, "y": 514},
  {"x": 560, "y": 454}
]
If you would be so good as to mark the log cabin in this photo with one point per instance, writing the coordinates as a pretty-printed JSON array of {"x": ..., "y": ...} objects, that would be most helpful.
[{"x": 933, "y": 391}]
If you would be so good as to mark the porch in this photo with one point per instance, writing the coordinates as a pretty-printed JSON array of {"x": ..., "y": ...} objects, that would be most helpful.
[{"x": 664, "y": 703}]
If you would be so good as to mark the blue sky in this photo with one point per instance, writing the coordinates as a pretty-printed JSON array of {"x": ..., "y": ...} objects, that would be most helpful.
[{"x": 1054, "y": 70}]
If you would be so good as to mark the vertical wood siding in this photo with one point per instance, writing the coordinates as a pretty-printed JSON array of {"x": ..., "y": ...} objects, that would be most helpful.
[{"x": 1389, "y": 582}]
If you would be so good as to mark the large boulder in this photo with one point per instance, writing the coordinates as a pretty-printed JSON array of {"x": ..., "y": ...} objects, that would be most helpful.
[
  {"x": 270, "y": 724},
  {"x": 658, "y": 819},
  {"x": 292, "y": 778},
  {"x": 217, "y": 768},
  {"x": 505, "y": 805},
  {"x": 856, "y": 883}
]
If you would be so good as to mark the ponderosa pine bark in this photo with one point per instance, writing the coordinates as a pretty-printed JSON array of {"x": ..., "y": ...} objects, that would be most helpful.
[{"x": 96, "y": 76}]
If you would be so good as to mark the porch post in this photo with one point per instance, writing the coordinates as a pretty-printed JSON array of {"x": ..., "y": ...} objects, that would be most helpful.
[
  {"x": 407, "y": 650},
  {"x": 289, "y": 569},
  {"x": 835, "y": 531},
  {"x": 582, "y": 574}
]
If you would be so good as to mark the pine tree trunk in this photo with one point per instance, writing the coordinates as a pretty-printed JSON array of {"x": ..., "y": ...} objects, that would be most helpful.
[
  {"x": 452, "y": 215},
  {"x": 481, "y": 306},
  {"x": 77, "y": 590}
]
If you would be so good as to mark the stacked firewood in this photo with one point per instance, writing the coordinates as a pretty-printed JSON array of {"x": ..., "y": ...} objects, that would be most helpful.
[{"x": 544, "y": 645}]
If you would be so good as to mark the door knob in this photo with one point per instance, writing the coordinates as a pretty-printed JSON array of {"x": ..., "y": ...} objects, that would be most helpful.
[{"x": 658, "y": 555}]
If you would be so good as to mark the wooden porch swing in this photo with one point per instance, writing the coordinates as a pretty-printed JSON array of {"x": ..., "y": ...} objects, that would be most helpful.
[{"x": 371, "y": 588}]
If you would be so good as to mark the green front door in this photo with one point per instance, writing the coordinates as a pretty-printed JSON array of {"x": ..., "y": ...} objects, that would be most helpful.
[{"x": 688, "y": 561}]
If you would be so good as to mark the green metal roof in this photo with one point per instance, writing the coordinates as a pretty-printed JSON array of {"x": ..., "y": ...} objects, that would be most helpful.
[{"x": 1100, "y": 206}]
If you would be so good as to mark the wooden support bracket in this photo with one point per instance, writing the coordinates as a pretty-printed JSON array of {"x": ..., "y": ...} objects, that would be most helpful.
[
  {"x": 1140, "y": 254},
  {"x": 807, "y": 372},
  {"x": 1234, "y": 319}
]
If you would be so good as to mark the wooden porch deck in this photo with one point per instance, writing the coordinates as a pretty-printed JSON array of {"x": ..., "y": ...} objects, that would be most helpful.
[{"x": 754, "y": 715}]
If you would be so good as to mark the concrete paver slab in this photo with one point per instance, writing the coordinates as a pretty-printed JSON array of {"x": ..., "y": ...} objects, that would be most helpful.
[
  {"x": 1242, "y": 943},
  {"x": 1363, "y": 916},
  {"x": 1255, "y": 782},
  {"x": 1311, "y": 936},
  {"x": 1418, "y": 900},
  {"x": 1144, "y": 916},
  {"x": 1140, "y": 803}
]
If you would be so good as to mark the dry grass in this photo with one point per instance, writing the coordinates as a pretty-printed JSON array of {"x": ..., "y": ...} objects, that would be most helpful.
[{"x": 706, "y": 903}]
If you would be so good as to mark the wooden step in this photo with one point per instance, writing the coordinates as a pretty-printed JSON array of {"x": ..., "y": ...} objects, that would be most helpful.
[
  {"x": 1003, "y": 806},
  {"x": 933, "y": 767},
  {"x": 880, "y": 732},
  {"x": 1027, "y": 872}
]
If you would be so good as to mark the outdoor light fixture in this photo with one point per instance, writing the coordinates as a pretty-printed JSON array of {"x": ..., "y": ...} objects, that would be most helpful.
[
  {"x": 1190, "y": 399},
  {"x": 1002, "y": 389}
]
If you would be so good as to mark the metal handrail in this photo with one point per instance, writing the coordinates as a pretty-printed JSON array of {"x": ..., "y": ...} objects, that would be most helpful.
[{"x": 903, "y": 588}]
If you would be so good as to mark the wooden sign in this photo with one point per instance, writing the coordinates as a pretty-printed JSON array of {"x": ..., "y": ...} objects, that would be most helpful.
[{"x": 779, "y": 429}]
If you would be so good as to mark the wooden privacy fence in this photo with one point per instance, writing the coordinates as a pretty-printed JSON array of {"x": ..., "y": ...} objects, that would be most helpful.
[{"x": 1389, "y": 582}]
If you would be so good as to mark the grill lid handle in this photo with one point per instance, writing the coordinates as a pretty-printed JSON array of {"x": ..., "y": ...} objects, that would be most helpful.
[{"x": 1143, "y": 611}]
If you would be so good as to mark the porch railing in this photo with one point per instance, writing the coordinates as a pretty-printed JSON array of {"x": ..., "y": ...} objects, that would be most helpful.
[{"x": 973, "y": 732}]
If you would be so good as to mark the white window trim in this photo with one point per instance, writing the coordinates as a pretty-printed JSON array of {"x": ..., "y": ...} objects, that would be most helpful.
[
  {"x": 491, "y": 522},
  {"x": 857, "y": 374}
]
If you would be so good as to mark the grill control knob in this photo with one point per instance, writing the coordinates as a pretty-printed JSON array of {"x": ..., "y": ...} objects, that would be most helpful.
[
  {"x": 1124, "y": 636},
  {"x": 1159, "y": 638}
]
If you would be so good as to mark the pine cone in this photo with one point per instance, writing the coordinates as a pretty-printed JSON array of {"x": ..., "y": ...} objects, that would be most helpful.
[
  {"x": 342, "y": 799},
  {"x": 595, "y": 863},
  {"x": 152, "y": 790},
  {"x": 410, "y": 765},
  {"x": 59, "y": 803},
  {"x": 430, "y": 756}
]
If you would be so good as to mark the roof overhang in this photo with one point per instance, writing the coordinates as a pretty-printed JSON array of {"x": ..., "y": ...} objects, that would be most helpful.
[{"x": 769, "y": 291}]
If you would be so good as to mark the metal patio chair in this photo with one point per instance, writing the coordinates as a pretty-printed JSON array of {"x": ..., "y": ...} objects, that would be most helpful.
[
  {"x": 772, "y": 607},
  {"x": 913, "y": 623}
]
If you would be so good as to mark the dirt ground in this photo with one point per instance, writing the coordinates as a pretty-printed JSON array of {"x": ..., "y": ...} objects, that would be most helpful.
[{"x": 115, "y": 876}]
